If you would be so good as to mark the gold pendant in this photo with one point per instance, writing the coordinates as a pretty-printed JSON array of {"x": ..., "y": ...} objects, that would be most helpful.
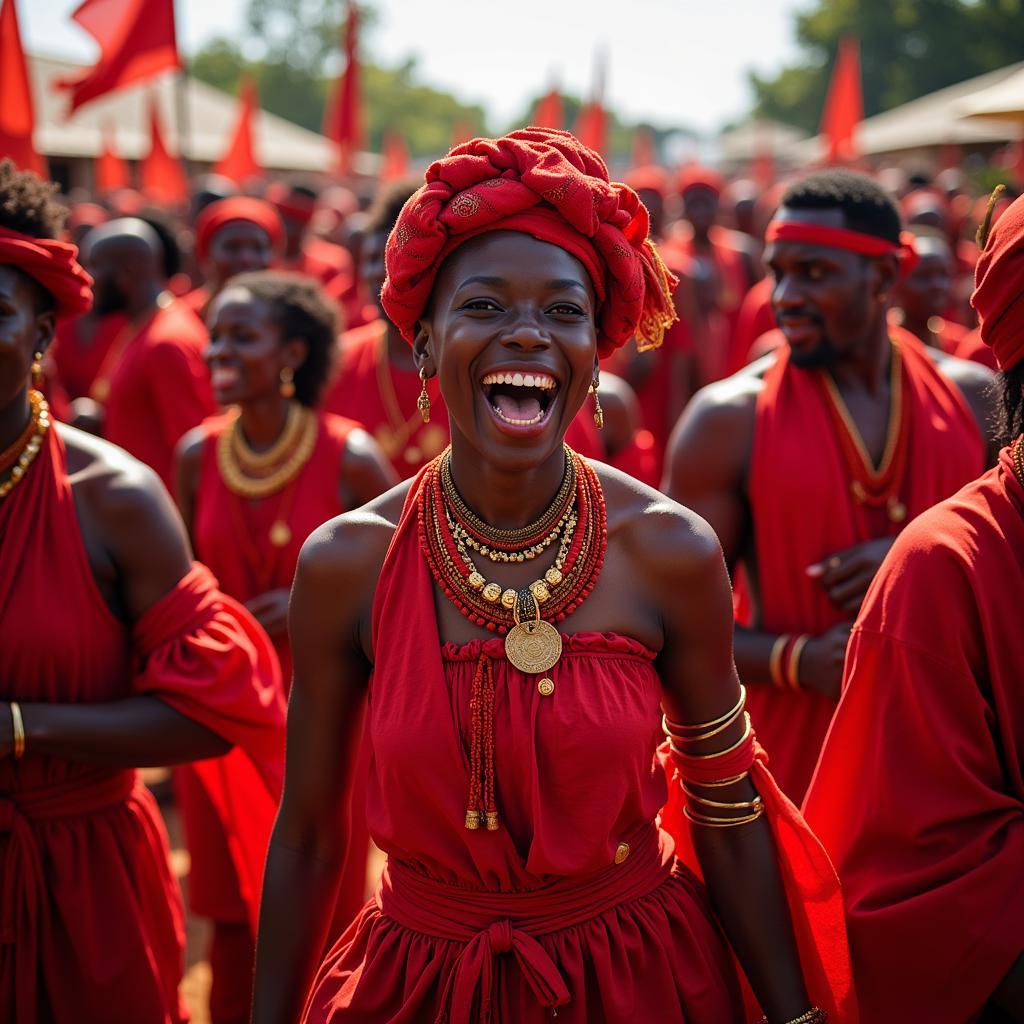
[
  {"x": 533, "y": 646},
  {"x": 280, "y": 533}
]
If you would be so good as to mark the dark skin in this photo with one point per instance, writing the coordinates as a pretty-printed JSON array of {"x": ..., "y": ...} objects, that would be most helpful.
[
  {"x": 246, "y": 355},
  {"x": 137, "y": 551},
  {"x": 506, "y": 301},
  {"x": 819, "y": 293},
  {"x": 238, "y": 247},
  {"x": 924, "y": 293}
]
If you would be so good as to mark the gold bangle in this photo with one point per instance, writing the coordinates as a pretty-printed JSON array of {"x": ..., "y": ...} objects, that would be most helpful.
[
  {"x": 732, "y": 780},
  {"x": 18, "y": 725},
  {"x": 718, "y": 753},
  {"x": 708, "y": 822},
  {"x": 739, "y": 805},
  {"x": 775, "y": 660},
  {"x": 815, "y": 1015},
  {"x": 721, "y": 722},
  {"x": 793, "y": 663}
]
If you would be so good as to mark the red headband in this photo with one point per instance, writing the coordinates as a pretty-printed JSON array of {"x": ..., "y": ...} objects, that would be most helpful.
[
  {"x": 843, "y": 238},
  {"x": 999, "y": 287},
  {"x": 54, "y": 265},
  {"x": 225, "y": 211},
  {"x": 543, "y": 183}
]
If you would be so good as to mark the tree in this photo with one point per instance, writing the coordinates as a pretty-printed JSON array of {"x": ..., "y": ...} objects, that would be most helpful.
[{"x": 908, "y": 48}]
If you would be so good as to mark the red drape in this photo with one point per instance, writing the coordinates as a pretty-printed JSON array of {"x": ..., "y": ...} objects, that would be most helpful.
[
  {"x": 343, "y": 118},
  {"x": 239, "y": 162},
  {"x": 17, "y": 116},
  {"x": 844, "y": 105}
]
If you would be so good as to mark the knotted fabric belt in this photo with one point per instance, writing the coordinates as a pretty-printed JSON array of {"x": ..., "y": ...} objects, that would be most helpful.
[
  {"x": 22, "y": 882},
  {"x": 495, "y": 923}
]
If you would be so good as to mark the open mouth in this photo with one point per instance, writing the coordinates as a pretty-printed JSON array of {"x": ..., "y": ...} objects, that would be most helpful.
[
  {"x": 520, "y": 399},
  {"x": 224, "y": 377}
]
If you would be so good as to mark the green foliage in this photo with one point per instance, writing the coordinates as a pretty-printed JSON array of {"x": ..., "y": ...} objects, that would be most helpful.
[{"x": 908, "y": 49}]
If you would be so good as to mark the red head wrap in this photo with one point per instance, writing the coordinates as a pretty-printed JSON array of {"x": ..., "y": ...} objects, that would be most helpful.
[
  {"x": 225, "y": 211},
  {"x": 293, "y": 205},
  {"x": 54, "y": 265},
  {"x": 651, "y": 178},
  {"x": 859, "y": 242},
  {"x": 998, "y": 295},
  {"x": 694, "y": 176},
  {"x": 547, "y": 184}
]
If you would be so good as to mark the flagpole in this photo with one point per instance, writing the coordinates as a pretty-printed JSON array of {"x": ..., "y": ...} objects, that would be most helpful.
[{"x": 181, "y": 105}]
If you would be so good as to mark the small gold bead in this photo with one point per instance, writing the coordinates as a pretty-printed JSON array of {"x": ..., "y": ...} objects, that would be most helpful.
[
  {"x": 472, "y": 819},
  {"x": 476, "y": 581},
  {"x": 508, "y": 599},
  {"x": 553, "y": 576},
  {"x": 540, "y": 591},
  {"x": 546, "y": 687},
  {"x": 492, "y": 593},
  {"x": 492, "y": 821},
  {"x": 621, "y": 852}
]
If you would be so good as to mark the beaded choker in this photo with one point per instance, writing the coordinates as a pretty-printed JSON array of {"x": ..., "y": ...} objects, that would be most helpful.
[{"x": 19, "y": 456}]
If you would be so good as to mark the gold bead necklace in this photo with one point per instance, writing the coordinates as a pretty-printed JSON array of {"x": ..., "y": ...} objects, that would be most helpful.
[{"x": 42, "y": 423}]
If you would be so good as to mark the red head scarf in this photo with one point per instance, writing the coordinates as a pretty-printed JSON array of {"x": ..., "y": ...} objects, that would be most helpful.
[
  {"x": 650, "y": 178},
  {"x": 291, "y": 204},
  {"x": 694, "y": 176},
  {"x": 847, "y": 239},
  {"x": 547, "y": 184},
  {"x": 998, "y": 295},
  {"x": 226, "y": 211},
  {"x": 54, "y": 265}
]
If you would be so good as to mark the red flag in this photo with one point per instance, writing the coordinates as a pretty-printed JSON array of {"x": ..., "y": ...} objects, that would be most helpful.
[
  {"x": 548, "y": 112},
  {"x": 17, "y": 119},
  {"x": 137, "y": 40},
  {"x": 343, "y": 117},
  {"x": 592, "y": 125},
  {"x": 239, "y": 162},
  {"x": 844, "y": 105},
  {"x": 111, "y": 171},
  {"x": 163, "y": 177},
  {"x": 462, "y": 131},
  {"x": 395, "y": 154},
  {"x": 644, "y": 153}
]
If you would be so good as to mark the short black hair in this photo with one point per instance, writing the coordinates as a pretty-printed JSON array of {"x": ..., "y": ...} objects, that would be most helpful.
[
  {"x": 27, "y": 204},
  {"x": 866, "y": 206},
  {"x": 1009, "y": 389},
  {"x": 387, "y": 205},
  {"x": 302, "y": 310}
]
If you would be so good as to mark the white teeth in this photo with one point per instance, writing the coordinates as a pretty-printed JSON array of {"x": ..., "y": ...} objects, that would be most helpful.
[
  {"x": 521, "y": 380},
  {"x": 518, "y": 423}
]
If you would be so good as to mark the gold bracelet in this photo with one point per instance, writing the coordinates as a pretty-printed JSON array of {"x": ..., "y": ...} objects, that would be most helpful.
[
  {"x": 708, "y": 822},
  {"x": 793, "y": 664},
  {"x": 707, "y": 729},
  {"x": 731, "y": 781},
  {"x": 718, "y": 753},
  {"x": 18, "y": 725},
  {"x": 737, "y": 806},
  {"x": 775, "y": 660},
  {"x": 815, "y": 1015}
]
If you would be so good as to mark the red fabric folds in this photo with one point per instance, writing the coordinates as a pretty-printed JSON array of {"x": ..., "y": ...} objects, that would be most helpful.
[
  {"x": 919, "y": 794},
  {"x": 190, "y": 629},
  {"x": 546, "y": 184},
  {"x": 998, "y": 294},
  {"x": 788, "y": 476},
  {"x": 54, "y": 265}
]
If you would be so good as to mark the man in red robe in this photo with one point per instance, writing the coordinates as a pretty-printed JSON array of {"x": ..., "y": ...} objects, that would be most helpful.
[
  {"x": 919, "y": 794},
  {"x": 810, "y": 461},
  {"x": 153, "y": 385}
]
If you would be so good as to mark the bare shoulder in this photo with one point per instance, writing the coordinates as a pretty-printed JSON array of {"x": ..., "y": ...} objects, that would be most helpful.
[
  {"x": 972, "y": 378},
  {"x": 731, "y": 401}
]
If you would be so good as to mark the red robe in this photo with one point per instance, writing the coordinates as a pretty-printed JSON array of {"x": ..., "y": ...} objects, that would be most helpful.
[
  {"x": 91, "y": 926},
  {"x": 230, "y": 535},
  {"x": 803, "y": 512},
  {"x": 160, "y": 389},
  {"x": 577, "y": 902},
  {"x": 77, "y": 362},
  {"x": 919, "y": 795}
]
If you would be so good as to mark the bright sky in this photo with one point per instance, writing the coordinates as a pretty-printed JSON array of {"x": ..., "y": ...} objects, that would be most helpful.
[{"x": 669, "y": 61}]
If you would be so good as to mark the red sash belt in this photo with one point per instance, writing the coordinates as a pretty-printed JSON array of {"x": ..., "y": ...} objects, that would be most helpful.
[
  {"x": 495, "y": 923},
  {"x": 23, "y": 886}
]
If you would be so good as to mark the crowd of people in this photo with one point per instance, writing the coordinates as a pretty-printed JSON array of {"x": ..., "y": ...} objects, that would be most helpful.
[{"x": 636, "y": 565}]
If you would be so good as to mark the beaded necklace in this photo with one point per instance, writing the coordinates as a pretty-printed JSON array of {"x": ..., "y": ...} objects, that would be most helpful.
[{"x": 31, "y": 441}]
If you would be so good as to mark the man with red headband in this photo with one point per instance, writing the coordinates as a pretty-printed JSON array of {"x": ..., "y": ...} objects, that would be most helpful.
[
  {"x": 919, "y": 794},
  {"x": 153, "y": 385},
  {"x": 810, "y": 461},
  {"x": 233, "y": 236},
  {"x": 115, "y": 652}
]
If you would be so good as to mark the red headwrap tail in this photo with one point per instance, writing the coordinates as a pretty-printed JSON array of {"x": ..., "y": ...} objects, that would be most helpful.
[
  {"x": 54, "y": 265},
  {"x": 659, "y": 312}
]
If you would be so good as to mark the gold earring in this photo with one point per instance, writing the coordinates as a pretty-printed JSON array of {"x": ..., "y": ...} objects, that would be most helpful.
[
  {"x": 287, "y": 382},
  {"x": 423, "y": 402},
  {"x": 598, "y": 411},
  {"x": 37, "y": 371}
]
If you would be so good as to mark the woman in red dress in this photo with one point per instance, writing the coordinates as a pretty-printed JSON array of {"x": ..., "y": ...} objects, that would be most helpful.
[
  {"x": 514, "y": 783},
  {"x": 251, "y": 486},
  {"x": 115, "y": 652}
]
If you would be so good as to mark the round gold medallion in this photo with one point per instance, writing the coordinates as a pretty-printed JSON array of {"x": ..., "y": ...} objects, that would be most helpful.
[
  {"x": 280, "y": 533},
  {"x": 546, "y": 686},
  {"x": 533, "y": 646}
]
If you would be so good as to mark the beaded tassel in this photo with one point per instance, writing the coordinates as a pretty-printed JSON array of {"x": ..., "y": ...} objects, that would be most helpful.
[{"x": 482, "y": 807}]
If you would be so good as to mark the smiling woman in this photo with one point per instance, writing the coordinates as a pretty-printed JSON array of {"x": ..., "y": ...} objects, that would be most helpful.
[{"x": 516, "y": 616}]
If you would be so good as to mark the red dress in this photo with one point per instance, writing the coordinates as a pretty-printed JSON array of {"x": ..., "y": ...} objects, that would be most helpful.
[
  {"x": 919, "y": 795},
  {"x": 230, "y": 536},
  {"x": 576, "y": 902},
  {"x": 90, "y": 917},
  {"x": 803, "y": 512},
  {"x": 78, "y": 361}
]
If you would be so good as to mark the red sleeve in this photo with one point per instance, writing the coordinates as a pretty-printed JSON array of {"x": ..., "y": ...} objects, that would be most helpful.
[{"x": 205, "y": 656}]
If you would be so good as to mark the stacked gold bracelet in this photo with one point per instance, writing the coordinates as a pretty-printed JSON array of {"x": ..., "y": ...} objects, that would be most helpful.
[
  {"x": 814, "y": 1015},
  {"x": 784, "y": 660},
  {"x": 18, "y": 727}
]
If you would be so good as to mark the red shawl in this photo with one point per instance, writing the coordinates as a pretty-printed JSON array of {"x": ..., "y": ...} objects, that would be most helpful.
[
  {"x": 803, "y": 512},
  {"x": 919, "y": 795}
]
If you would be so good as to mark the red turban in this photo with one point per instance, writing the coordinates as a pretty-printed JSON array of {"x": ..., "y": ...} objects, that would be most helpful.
[
  {"x": 547, "y": 184},
  {"x": 998, "y": 295},
  {"x": 694, "y": 176},
  {"x": 54, "y": 265},
  {"x": 226, "y": 211}
]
